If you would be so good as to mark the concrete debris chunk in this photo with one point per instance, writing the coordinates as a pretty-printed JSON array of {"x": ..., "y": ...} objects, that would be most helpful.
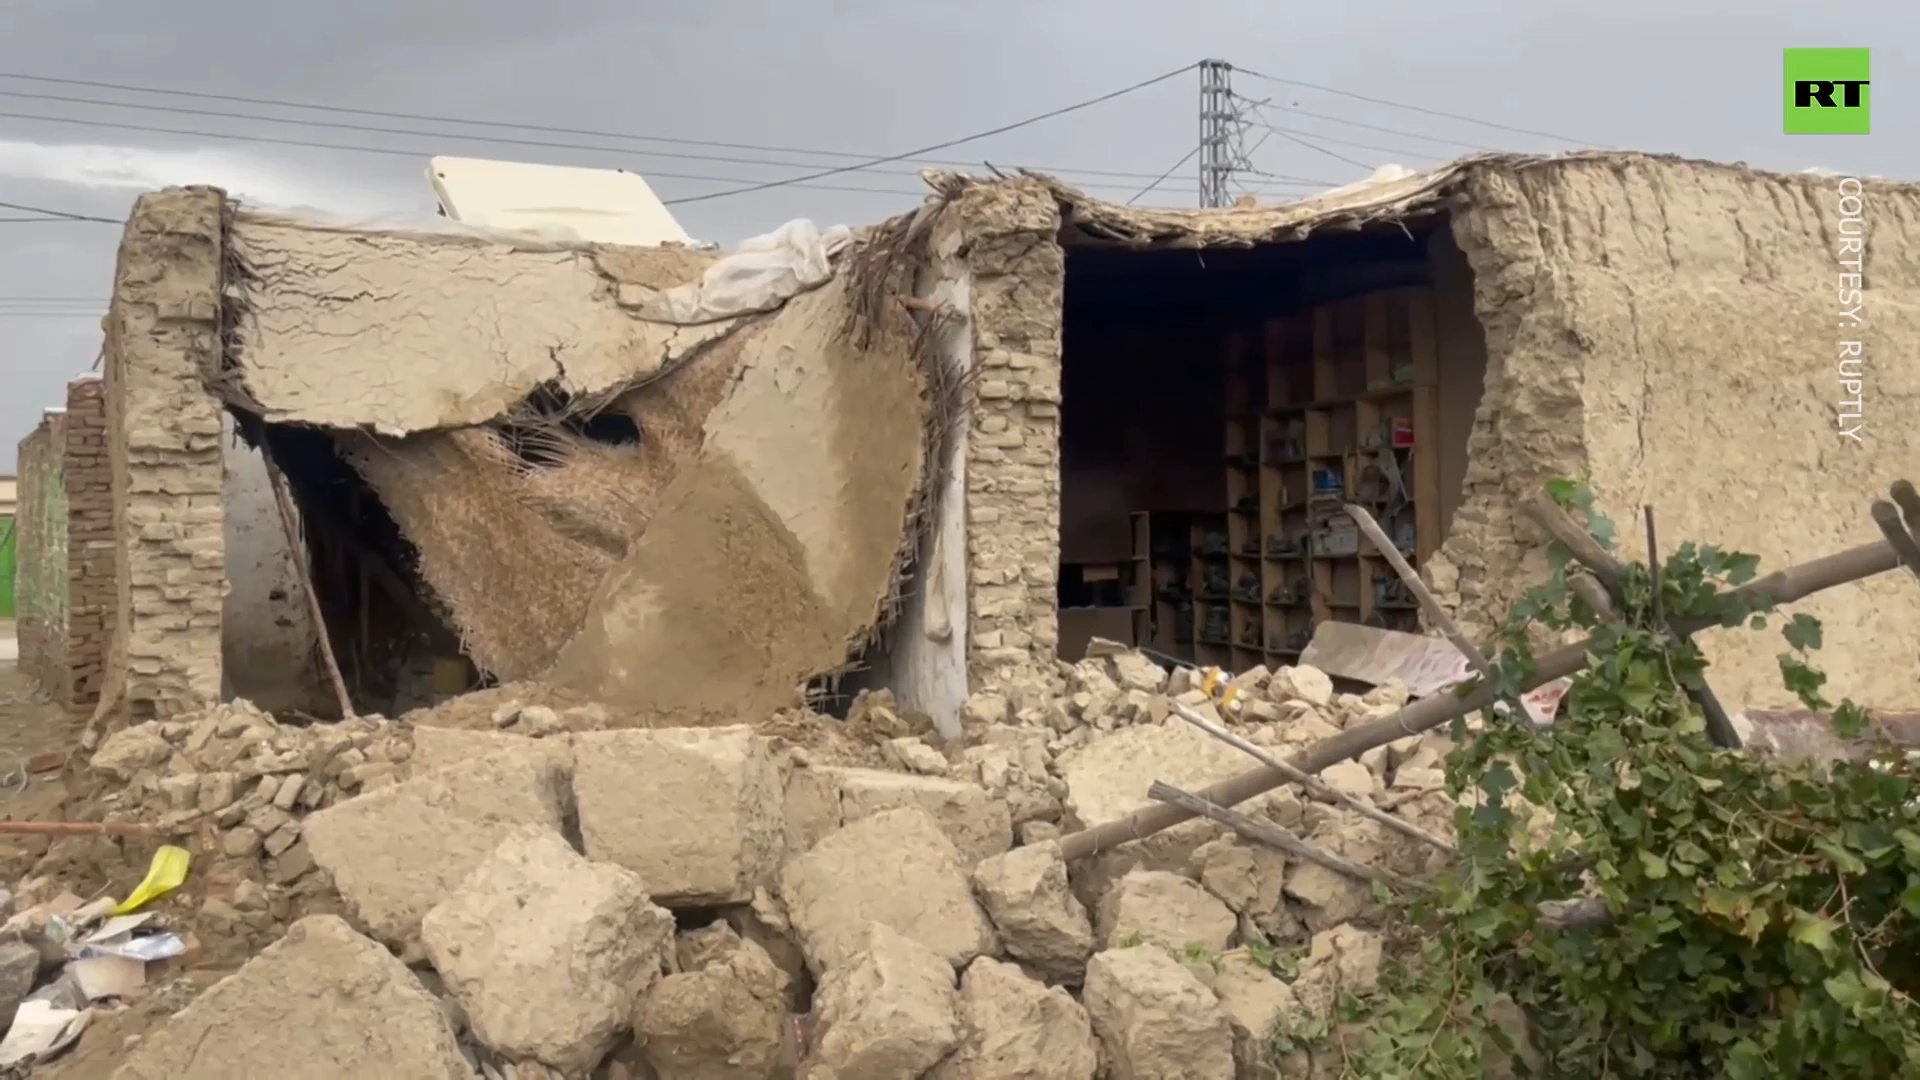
[
  {"x": 1156, "y": 1019},
  {"x": 696, "y": 812},
  {"x": 1327, "y": 897},
  {"x": 896, "y": 868},
  {"x": 438, "y": 747},
  {"x": 19, "y": 963},
  {"x": 323, "y": 1003},
  {"x": 1343, "y": 959},
  {"x": 1040, "y": 921},
  {"x": 1108, "y": 779},
  {"x": 978, "y": 824},
  {"x": 129, "y": 750},
  {"x": 723, "y": 1016},
  {"x": 887, "y": 1013},
  {"x": 1303, "y": 682},
  {"x": 1154, "y": 906},
  {"x": 1254, "y": 999},
  {"x": 547, "y": 952},
  {"x": 397, "y": 852},
  {"x": 1249, "y": 878},
  {"x": 1013, "y": 1028},
  {"x": 916, "y": 756}
]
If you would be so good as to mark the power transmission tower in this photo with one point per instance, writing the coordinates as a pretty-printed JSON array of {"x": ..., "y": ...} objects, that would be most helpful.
[{"x": 1219, "y": 132}]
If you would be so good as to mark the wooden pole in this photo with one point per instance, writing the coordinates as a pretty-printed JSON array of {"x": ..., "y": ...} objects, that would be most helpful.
[
  {"x": 75, "y": 828},
  {"x": 1429, "y": 603},
  {"x": 290, "y": 524},
  {"x": 1587, "y": 551},
  {"x": 1780, "y": 587}
]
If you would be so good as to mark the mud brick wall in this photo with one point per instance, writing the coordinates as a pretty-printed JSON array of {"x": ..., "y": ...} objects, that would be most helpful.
[
  {"x": 40, "y": 582},
  {"x": 1012, "y": 462},
  {"x": 88, "y": 480},
  {"x": 165, "y": 457}
]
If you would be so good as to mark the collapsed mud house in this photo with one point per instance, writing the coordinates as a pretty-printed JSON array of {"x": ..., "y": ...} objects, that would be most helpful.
[{"x": 560, "y": 463}]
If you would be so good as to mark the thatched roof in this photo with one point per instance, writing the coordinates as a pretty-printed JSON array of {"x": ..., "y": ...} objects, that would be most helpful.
[{"x": 1353, "y": 206}]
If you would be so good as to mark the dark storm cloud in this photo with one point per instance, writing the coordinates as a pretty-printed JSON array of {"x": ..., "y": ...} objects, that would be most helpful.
[{"x": 862, "y": 76}]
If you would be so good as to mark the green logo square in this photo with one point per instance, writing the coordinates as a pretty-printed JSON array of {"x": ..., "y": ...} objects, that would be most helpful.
[{"x": 1826, "y": 91}]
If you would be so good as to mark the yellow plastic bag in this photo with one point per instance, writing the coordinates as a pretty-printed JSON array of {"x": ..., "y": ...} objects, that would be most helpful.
[{"x": 167, "y": 873}]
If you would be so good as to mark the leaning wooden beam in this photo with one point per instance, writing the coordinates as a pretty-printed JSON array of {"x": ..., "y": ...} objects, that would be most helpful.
[
  {"x": 1312, "y": 784},
  {"x": 1549, "y": 516},
  {"x": 75, "y": 828},
  {"x": 1887, "y": 516},
  {"x": 1272, "y": 836},
  {"x": 1780, "y": 587},
  {"x": 283, "y": 499},
  {"x": 1429, "y": 603}
]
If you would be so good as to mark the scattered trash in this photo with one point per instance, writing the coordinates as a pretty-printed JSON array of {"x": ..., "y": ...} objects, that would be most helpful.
[
  {"x": 167, "y": 873},
  {"x": 40, "y": 1030}
]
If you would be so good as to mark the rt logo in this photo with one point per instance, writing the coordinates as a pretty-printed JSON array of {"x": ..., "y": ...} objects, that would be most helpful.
[{"x": 1826, "y": 91}]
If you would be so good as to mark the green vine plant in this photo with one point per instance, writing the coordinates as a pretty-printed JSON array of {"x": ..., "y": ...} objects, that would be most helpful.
[{"x": 1755, "y": 918}]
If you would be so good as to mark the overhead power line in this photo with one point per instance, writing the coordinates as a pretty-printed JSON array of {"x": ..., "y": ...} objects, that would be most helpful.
[
  {"x": 548, "y": 129},
  {"x": 1441, "y": 114},
  {"x": 1174, "y": 168},
  {"x": 53, "y": 215},
  {"x": 935, "y": 148},
  {"x": 866, "y": 161},
  {"x": 501, "y": 140}
]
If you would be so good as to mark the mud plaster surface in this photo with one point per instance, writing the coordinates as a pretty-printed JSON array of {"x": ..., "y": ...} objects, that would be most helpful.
[
  {"x": 711, "y": 619},
  {"x": 1675, "y": 326},
  {"x": 407, "y": 332},
  {"x": 517, "y": 552},
  {"x": 775, "y": 550}
]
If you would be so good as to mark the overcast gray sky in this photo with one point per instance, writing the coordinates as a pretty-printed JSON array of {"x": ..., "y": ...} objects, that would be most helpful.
[{"x": 849, "y": 76}]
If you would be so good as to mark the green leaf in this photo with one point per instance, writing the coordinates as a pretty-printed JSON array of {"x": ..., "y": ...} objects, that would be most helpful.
[
  {"x": 1814, "y": 931},
  {"x": 1757, "y": 622},
  {"x": 1843, "y": 860},
  {"x": 1802, "y": 633},
  {"x": 1741, "y": 568},
  {"x": 1850, "y": 721},
  {"x": 1910, "y": 899},
  {"x": 1652, "y": 865}
]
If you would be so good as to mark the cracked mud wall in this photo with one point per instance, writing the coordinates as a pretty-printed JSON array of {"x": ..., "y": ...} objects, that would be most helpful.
[
  {"x": 87, "y": 478},
  {"x": 772, "y": 553},
  {"x": 163, "y": 333},
  {"x": 1007, "y": 236},
  {"x": 1671, "y": 327},
  {"x": 403, "y": 332},
  {"x": 40, "y": 535}
]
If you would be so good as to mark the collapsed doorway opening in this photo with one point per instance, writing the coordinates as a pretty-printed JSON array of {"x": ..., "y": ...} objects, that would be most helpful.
[
  {"x": 1219, "y": 409},
  {"x": 396, "y": 650}
]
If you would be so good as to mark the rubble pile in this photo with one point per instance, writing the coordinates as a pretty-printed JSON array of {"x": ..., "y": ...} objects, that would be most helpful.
[{"x": 549, "y": 896}]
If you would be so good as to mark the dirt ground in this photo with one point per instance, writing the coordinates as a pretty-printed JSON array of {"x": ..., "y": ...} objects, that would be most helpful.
[{"x": 29, "y": 725}]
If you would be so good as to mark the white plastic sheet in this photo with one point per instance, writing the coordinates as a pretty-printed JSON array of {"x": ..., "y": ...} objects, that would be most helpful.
[{"x": 764, "y": 273}]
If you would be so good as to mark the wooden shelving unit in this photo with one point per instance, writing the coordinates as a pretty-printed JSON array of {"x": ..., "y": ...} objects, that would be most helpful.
[
  {"x": 1114, "y": 596},
  {"x": 1170, "y": 568},
  {"x": 1211, "y": 578},
  {"x": 1351, "y": 416},
  {"x": 1334, "y": 406}
]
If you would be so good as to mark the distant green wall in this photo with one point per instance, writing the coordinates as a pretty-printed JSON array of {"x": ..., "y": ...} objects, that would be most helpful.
[{"x": 9, "y": 545}]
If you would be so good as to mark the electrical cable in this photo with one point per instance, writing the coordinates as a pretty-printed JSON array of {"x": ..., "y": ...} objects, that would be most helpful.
[
  {"x": 342, "y": 110},
  {"x": 1416, "y": 108},
  {"x": 54, "y": 215},
  {"x": 1292, "y": 138},
  {"x": 936, "y": 147},
  {"x": 500, "y": 139},
  {"x": 1189, "y": 156}
]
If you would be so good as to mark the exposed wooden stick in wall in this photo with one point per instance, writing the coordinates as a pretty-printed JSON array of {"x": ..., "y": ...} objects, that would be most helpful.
[{"x": 290, "y": 523}]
